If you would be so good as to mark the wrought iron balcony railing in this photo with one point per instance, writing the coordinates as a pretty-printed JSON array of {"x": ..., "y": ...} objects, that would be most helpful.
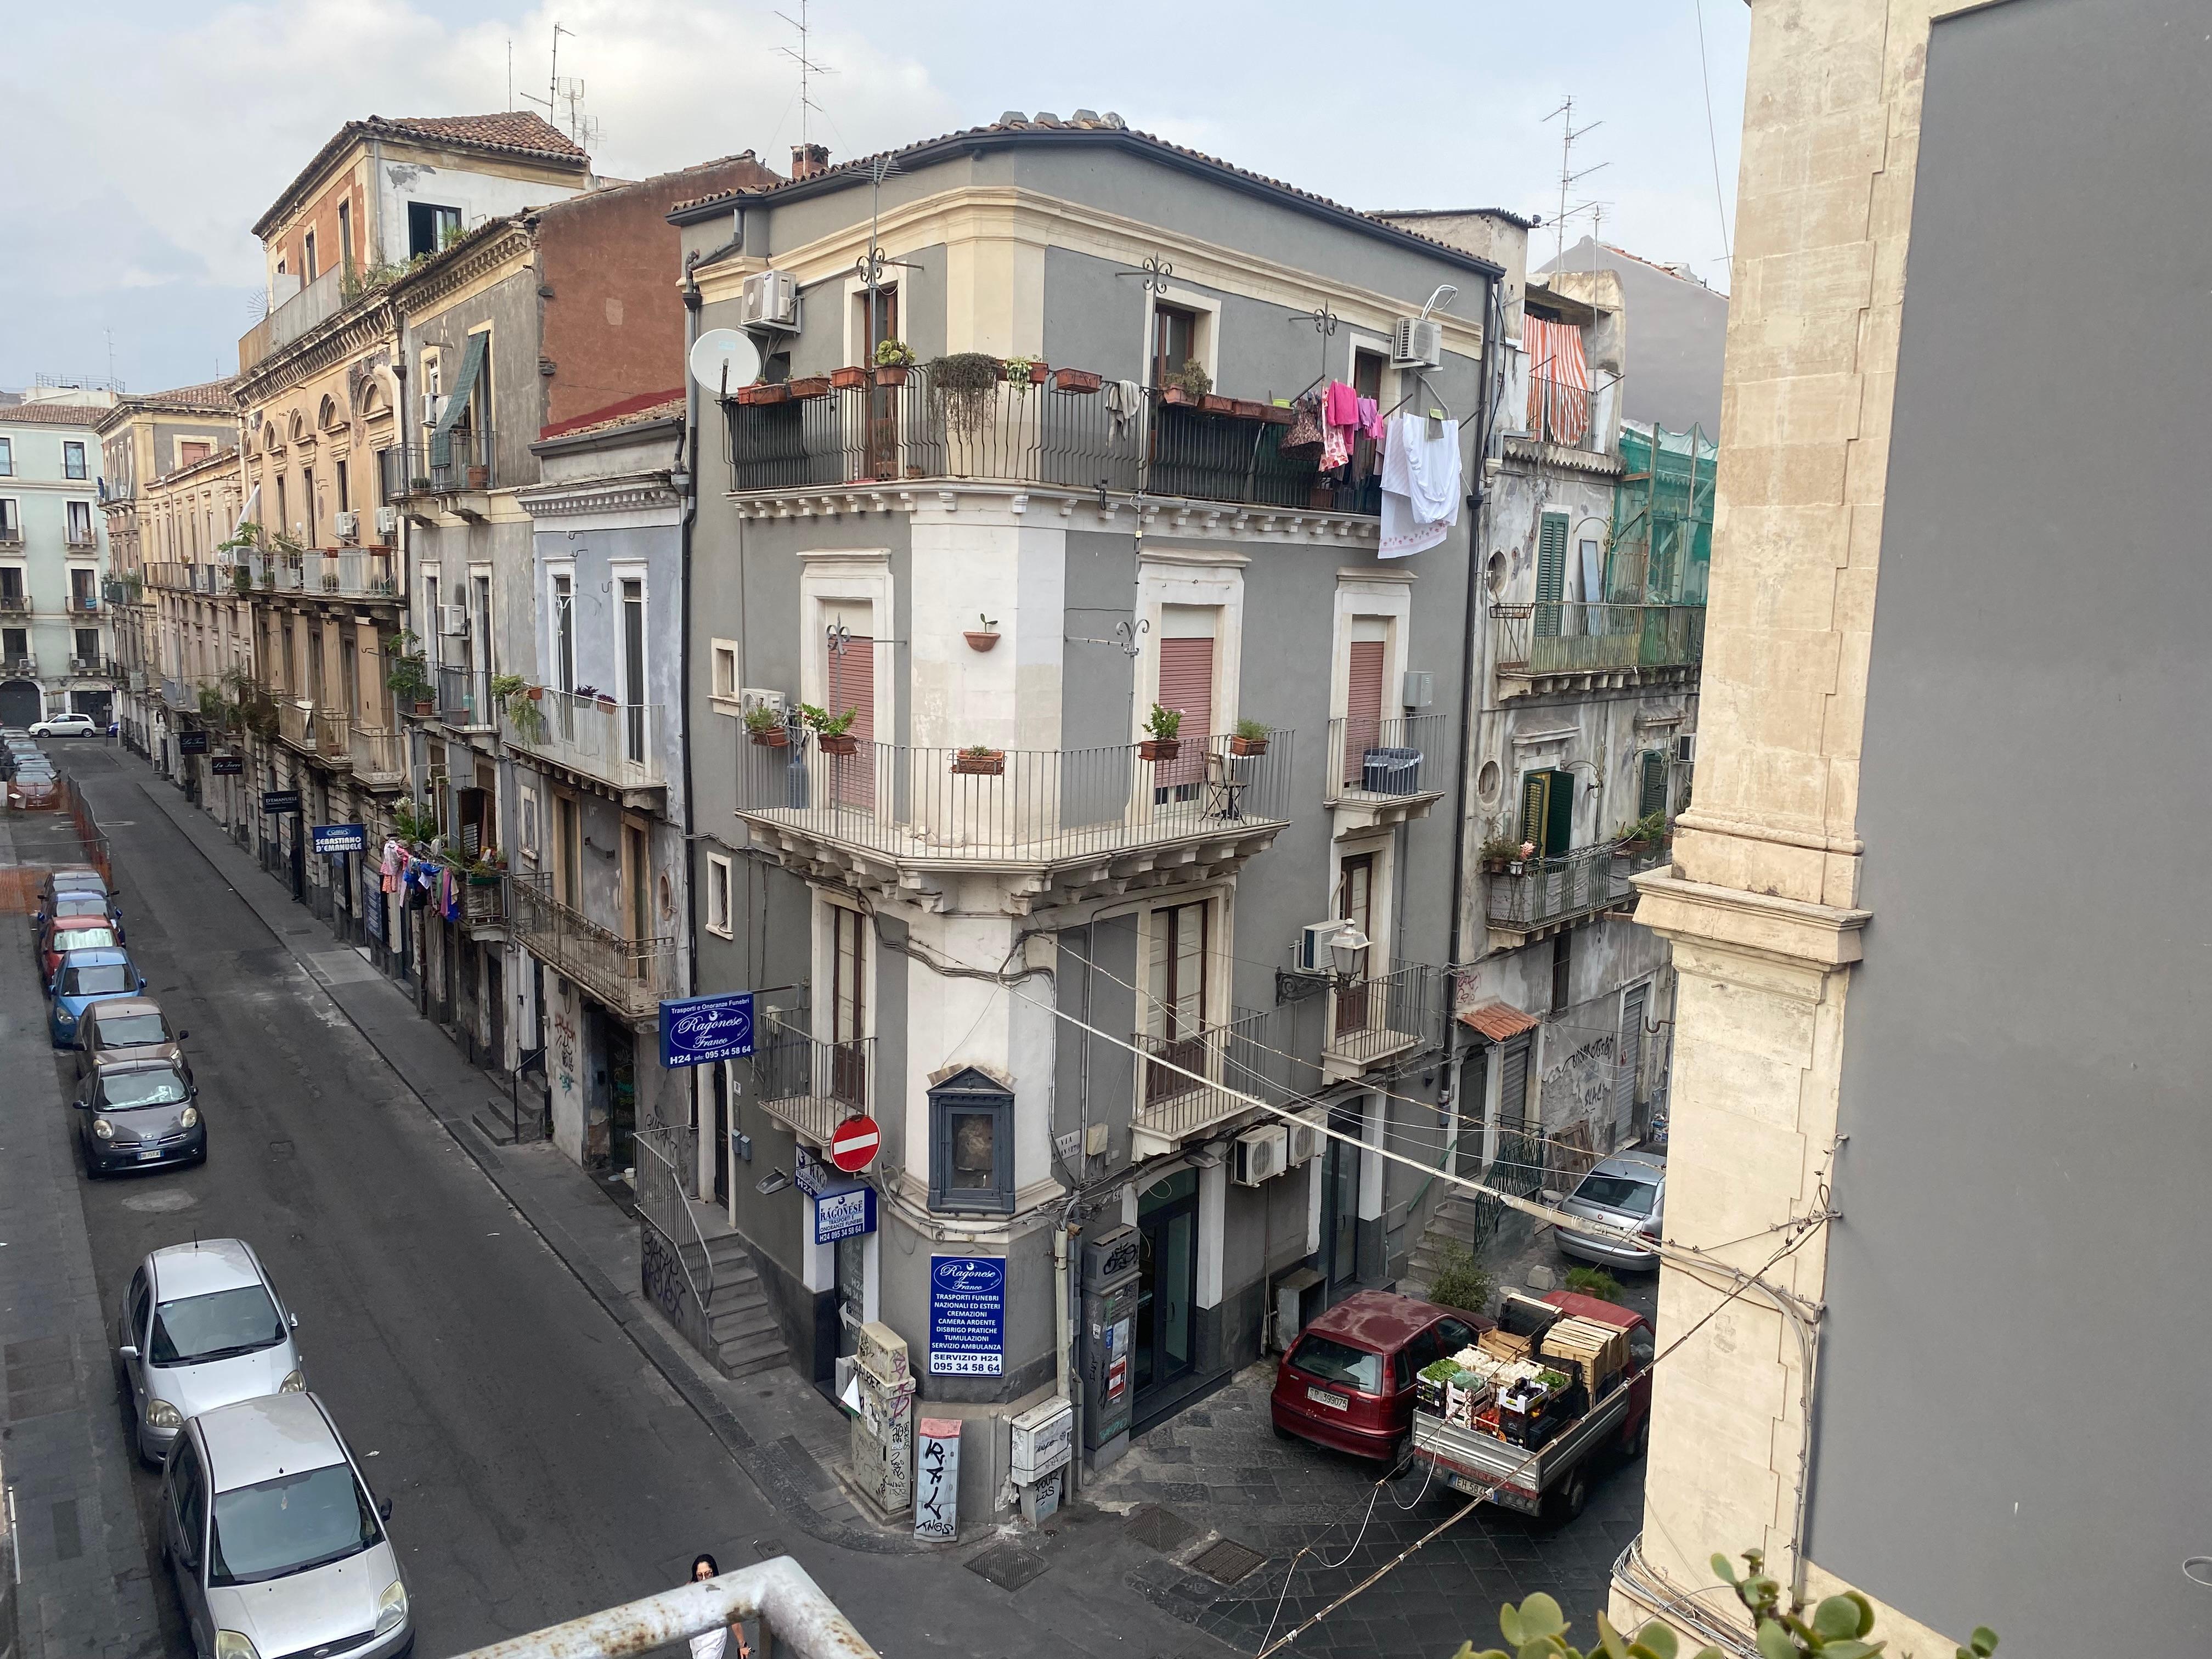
[
  {"x": 1230, "y": 1063},
  {"x": 1568, "y": 638},
  {"x": 1537, "y": 893},
  {"x": 471, "y": 464},
  {"x": 1384, "y": 759},
  {"x": 1377, "y": 1017},
  {"x": 630, "y": 975},
  {"x": 809, "y": 1085},
  {"x": 619, "y": 743},
  {"x": 464, "y": 698},
  {"x": 1026, "y": 808}
]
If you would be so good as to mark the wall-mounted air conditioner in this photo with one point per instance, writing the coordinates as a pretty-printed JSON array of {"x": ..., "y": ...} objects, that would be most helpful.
[
  {"x": 1315, "y": 938},
  {"x": 771, "y": 300},
  {"x": 434, "y": 405},
  {"x": 346, "y": 525},
  {"x": 387, "y": 520},
  {"x": 1261, "y": 1155},
  {"x": 750, "y": 698},
  {"x": 1686, "y": 748},
  {"x": 454, "y": 620},
  {"x": 1304, "y": 1140},
  {"x": 1417, "y": 343}
]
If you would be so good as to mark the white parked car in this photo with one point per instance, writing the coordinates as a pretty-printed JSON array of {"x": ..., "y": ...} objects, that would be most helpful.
[
  {"x": 65, "y": 725},
  {"x": 274, "y": 1542},
  {"x": 202, "y": 1326}
]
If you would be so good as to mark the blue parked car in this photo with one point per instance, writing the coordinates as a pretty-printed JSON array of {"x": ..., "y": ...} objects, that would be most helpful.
[{"x": 84, "y": 978}]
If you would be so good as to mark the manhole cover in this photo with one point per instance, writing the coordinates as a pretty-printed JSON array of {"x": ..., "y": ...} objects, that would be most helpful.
[
  {"x": 280, "y": 1149},
  {"x": 157, "y": 1202},
  {"x": 1163, "y": 1529},
  {"x": 1227, "y": 1561},
  {"x": 1007, "y": 1566}
]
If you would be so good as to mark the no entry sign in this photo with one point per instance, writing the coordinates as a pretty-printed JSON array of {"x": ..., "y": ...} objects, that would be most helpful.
[{"x": 852, "y": 1147}]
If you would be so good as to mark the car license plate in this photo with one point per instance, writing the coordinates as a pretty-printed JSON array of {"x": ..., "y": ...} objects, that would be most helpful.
[
  {"x": 148, "y": 1157},
  {"x": 1334, "y": 1402}
]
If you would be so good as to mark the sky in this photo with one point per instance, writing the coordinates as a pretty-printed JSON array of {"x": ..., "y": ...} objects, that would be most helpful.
[{"x": 146, "y": 139}]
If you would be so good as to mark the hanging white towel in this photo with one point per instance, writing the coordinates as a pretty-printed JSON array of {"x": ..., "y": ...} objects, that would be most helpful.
[{"x": 1420, "y": 486}]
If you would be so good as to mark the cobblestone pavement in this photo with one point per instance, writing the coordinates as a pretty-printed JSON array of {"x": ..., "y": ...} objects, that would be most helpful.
[{"x": 1219, "y": 1469}]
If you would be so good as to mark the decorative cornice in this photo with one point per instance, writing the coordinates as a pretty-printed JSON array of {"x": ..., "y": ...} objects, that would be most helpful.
[
  {"x": 425, "y": 292},
  {"x": 1791, "y": 930},
  {"x": 372, "y": 323},
  {"x": 631, "y": 493},
  {"x": 1572, "y": 460}
]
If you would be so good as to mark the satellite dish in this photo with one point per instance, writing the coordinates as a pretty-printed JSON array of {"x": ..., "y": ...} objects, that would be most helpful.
[{"x": 722, "y": 360}]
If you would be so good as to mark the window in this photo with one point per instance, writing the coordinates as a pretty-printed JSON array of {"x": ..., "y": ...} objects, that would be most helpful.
[
  {"x": 190, "y": 451},
  {"x": 346, "y": 234},
  {"x": 1551, "y": 573},
  {"x": 80, "y": 523},
  {"x": 14, "y": 646},
  {"x": 971, "y": 1152},
  {"x": 1186, "y": 672},
  {"x": 338, "y": 471},
  {"x": 307, "y": 257},
  {"x": 568, "y": 852},
  {"x": 1651, "y": 783},
  {"x": 429, "y": 227},
  {"x": 73, "y": 459},
  {"x": 564, "y": 633},
  {"x": 308, "y": 500},
  {"x": 1330, "y": 1361},
  {"x": 1355, "y": 904},
  {"x": 88, "y": 644},
  {"x": 187, "y": 1508},
  {"x": 849, "y": 975},
  {"x": 1367, "y": 652},
  {"x": 637, "y": 879},
  {"x": 633, "y": 665},
  {"x": 8, "y": 522},
  {"x": 11, "y": 582},
  {"x": 284, "y": 517},
  {"x": 1563, "y": 971},
  {"x": 1175, "y": 341},
  {"x": 726, "y": 671},
  {"x": 1548, "y": 811},
  {"x": 718, "y": 896},
  {"x": 7, "y": 457}
]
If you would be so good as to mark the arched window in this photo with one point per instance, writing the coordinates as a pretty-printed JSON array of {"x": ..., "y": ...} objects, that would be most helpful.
[{"x": 327, "y": 416}]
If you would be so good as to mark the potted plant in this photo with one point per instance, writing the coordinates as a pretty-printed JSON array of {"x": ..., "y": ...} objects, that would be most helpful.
[
  {"x": 763, "y": 391},
  {"x": 1646, "y": 833},
  {"x": 1188, "y": 384},
  {"x": 410, "y": 675},
  {"x": 1250, "y": 409},
  {"x": 980, "y": 761},
  {"x": 983, "y": 638},
  {"x": 813, "y": 385},
  {"x": 479, "y": 477},
  {"x": 766, "y": 728},
  {"x": 850, "y": 379},
  {"x": 1163, "y": 724},
  {"x": 1026, "y": 371},
  {"x": 1213, "y": 404},
  {"x": 1496, "y": 853},
  {"x": 963, "y": 386},
  {"x": 514, "y": 693},
  {"x": 1249, "y": 739},
  {"x": 1075, "y": 380},
  {"x": 894, "y": 360},
  {"x": 833, "y": 733}
]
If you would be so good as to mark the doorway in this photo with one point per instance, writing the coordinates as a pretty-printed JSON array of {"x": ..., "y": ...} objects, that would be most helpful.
[
  {"x": 622, "y": 1095},
  {"x": 1167, "y": 1281},
  {"x": 852, "y": 1293},
  {"x": 496, "y": 1009},
  {"x": 1340, "y": 1201},
  {"x": 720, "y": 1125}
]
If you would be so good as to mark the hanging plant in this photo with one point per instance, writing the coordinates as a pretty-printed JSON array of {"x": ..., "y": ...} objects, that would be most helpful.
[
  {"x": 980, "y": 761},
  {"x": 1023, "y": 373},
  {"x": 765, "y": 727},
  {"x": 964, "y": 384},
  {"x": 894, "y": 358}
]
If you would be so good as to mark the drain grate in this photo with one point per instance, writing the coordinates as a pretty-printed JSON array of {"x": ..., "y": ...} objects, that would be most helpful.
[
  {"x": 1163, "y": 1529},
  {"x": 1227, "y": 1561},
  {"x": 1007, "y": 1566}
]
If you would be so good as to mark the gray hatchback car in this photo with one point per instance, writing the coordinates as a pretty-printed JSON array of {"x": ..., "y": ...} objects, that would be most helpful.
[
  {"x": 202, "y": 1326},
  {"x": 1628, "y": 1189}
]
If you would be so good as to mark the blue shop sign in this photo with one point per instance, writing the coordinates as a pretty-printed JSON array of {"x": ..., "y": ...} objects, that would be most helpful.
[
  {"x": 697, "y": 1030},
  {"x": 340, "y": 837},
  {"x": 967, "y": 1315},
  {"x": 844, "y": 1212}
]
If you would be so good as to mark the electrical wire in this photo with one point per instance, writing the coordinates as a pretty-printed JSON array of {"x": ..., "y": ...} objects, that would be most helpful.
[{"x": 1712, "y": 137}]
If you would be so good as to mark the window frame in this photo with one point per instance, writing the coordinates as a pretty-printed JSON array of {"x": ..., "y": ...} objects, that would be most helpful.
[
  {"x": 7, "y": 456},
  {"x": 722, "y": 870},
  {"x": 947, "y": 1105},
  {"x": 731, "y": 701},
  {"x": 73, "y": 452}
]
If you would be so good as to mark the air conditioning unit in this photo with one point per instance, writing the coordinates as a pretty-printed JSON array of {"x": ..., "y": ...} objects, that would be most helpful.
[
  {"x": 771, "y": 300},
  {"x": 1315, "y": 938},
  {"x": 454, "y": 620},
  {"x": 434, "y": 405},
  {"x": 346, "y": 525},
  {"x": 750, "y": 698},
  {"x": 1686, "y": 748},
  {"x": 387, "y": 520},
  {"x": 1261, "y": 1154},
  {"x": 1417, "y": 343},
  {"x": 1305, "y": 1140}
]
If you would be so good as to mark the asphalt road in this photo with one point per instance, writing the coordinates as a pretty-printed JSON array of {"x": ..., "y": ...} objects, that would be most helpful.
[{"x": 539, "y": 1466}]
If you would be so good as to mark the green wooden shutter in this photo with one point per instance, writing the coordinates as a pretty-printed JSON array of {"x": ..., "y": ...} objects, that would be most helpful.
[
  {"x": 1535, "y": 806},
  {"x": 1559, "y": 816},
  {"x": 1551, "y": 573},
  {"x": 1651, "y": 792}
]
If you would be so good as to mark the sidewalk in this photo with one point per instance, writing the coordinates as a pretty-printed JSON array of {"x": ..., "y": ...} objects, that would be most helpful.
[
  {"x": 778, "y": 1428},
  {"x": 86, "y": 1590}
]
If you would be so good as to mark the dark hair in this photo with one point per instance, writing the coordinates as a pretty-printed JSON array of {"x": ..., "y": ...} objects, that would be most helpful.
[{"x": 708, "y": 1562}]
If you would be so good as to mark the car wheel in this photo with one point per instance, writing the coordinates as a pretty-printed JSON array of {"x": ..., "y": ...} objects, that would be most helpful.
[
  {"x": 1640, "y": 1442},
  {"x": 1282, "y": 1433},
  {"x": 1573, "y": 1494}
]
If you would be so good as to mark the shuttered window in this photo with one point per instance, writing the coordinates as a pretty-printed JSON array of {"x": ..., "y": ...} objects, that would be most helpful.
[
  {"x": 1363, "y": 705},
  {"x": 1551, "y": 573},
  {"x": 1513, "y": 1084},
  {"x": 1632, "y": 1056},
  {"x": 849, "y": 680},
  {"x": 1651, "y": 786},
  {"x": 1186, "y": 684},
  {"x": 1548, "y": 811}
]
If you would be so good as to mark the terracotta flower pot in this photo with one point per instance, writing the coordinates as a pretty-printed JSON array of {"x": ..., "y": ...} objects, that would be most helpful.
[
  {"x": 537, "y": 693},
  {"x": 890, "y": 374},
  {"x": 1160, "y": 749},
  {"x": 775, "y": 737},
  {"x": 1248, "y": 409},
  {"x": 839, "y": 743},
  {"x": 1248, "y": 745},
  {"x": 1214, "y": 404},
  {"x": 1037, "y": 372},
  {"x": 775, "y": 392},
  {"x": 425, "y": 706},
  {"x": 1075, "y": 380},
  {"x": 814, "y": 386},
  {"x": 479, "y": 477},
  {"x": 993, "y": 765},
  {"x": 1174, "y": 394},
  {"x": 979, "y": 640},
  {"x": 848, "y": 380},
  {"x": 1276, "y": 414}
]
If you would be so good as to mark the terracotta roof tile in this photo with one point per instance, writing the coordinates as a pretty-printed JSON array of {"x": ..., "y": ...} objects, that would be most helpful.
[
  {"x": 207, "y": 394},
  {"x": 1499, "y": 1021},
  {"x": 516, "y": 130},
  {"x": 630, "y": 411},
  {"x": 55, "y": 414}
]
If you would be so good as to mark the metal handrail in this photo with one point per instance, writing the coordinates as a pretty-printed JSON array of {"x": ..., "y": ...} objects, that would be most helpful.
[
  {"x": 1577, "y": 636},
  {"x": 671, "y": 1196},
  {"x": 1370, "y": 756},
  {"x": 1543, "y": 890}
]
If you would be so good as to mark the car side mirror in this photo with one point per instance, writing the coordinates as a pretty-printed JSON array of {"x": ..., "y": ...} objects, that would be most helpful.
[
  {"x": 294, "y": 1320},
  {"x": 181, "y": 1035},
  {"x": 129, "y": 1351},
  {"x": 384, "y": 1508},
  {"x": 141, "y": 982}
]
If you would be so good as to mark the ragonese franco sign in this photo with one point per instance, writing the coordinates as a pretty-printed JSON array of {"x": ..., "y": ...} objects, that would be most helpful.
[{"x": 699, "y": 1030}]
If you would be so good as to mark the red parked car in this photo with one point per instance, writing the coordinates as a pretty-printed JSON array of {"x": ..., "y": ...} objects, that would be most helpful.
[
  {"x": 1347, "y": 1381},
  {"x": 72, "y": 933}
]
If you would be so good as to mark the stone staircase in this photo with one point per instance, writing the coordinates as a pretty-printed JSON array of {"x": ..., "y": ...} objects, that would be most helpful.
[
  {"x": 742, "y": 1336},
  {"x": 1453, "y": 1221}
]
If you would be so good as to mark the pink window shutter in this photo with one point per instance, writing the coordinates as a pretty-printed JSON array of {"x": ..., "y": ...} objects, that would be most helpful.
[
  {"x": 850, "y": 680},
  {"x": 1363, "y": 707},
  {"x": 1186, "y": 684}
]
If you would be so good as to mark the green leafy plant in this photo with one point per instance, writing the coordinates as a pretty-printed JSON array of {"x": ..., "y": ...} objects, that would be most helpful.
[
  {"x": 1459, "y": 1282},
  {"x": 964, "y": 384},
  {"x": 826, "y": 724},
  {"x": 413, "y": 822},
  {"x": 894, "y": 354},
  {"x": 1251, "y": 729},
  {"x": 1652, "y": 827},
  {"x": 1193, "y": 379},
  {"x": 1020, "y": 372},
  {"x": 409, "y": 676},
  {"x": 522, "y": 712},
  {"x": 760, "y": 722},
  {"x": 1840, "y": 1628},
  {"x": 1164, "y": 723},
  {"x": 982, "y": 751},
  {"x": 1595, "y": 1281}
]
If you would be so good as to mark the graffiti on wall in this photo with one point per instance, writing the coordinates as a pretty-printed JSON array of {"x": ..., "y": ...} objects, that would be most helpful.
[
  {"x": 564, "y": 1052},
  {"x": 1579, "y": 1088},
  {"x": 661, "y": 1275}
]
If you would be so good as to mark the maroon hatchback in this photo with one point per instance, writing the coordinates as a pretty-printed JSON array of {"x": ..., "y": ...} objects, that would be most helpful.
[{"x": 1347, "y": 1381}]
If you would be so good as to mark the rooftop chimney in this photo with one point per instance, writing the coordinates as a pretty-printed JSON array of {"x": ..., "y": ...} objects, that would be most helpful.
[{"x": 807, "y": 160}]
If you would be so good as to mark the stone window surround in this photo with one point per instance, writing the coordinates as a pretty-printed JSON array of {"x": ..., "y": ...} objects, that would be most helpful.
[
  {"x": 828, "y": 577},
  {"x": 1203, "y": 581}
]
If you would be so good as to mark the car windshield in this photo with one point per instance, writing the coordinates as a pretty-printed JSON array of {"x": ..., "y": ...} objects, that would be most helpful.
[
  {"x": 75, "y": 903},
  {"x": 121, "y": 1091},
  {"x": 1339, "y": 1362},
  {"x": 121, "y": 1033},
  {"x": 86, "y": 981},
  {"x": 1616, "y": 1192},
  {"x": 216, "y": 1326},
  {"x": 85, "y": 938},
  {"x": 288, "y": 1525}
]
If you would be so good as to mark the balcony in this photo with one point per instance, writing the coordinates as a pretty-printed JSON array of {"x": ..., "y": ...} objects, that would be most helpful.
[
  {"x": 810, "y": 1087},
  {"x": 628, "y": 975},
  {"x": 11, "y": 535},
  {"x": 1384, "y": 772},
  {"x": 81, "y": 538},
  {"x": 304, "y": 309},
  {"x": 21, "y": 668},
  {"x": 296, "y": 724},
  {"x": 1231, "y": 1063},
  {"x": 484, "y": 899},
  {"x": 1568, "y": 645},
  {"x": 1072, "y": 819},
  {"x": 464, "y": 699},
  {"x": 84, "y": 602},
  {"x": 615, "y": 743},
  {"x": 1372, "y": 1021},
  {"x": 1535, "y": 898},
  {"x": 458, "y": 483},
  {"x": 176, "y": 578},
  {"x": 350, "y": 575},
  {"x": 15, "y": 606},
  {"x": 379, "y": 756},
  {"x": 333, "y": 739},
  {"x": 1221, "y": 449}
]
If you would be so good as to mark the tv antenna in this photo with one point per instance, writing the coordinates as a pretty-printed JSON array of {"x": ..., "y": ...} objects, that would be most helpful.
[
  {"x": 808, "y": 69},
  {"x": 552, "y": 98},
  {"x": 869, "y": 266},
  {"x": 1569, "y": 133}
]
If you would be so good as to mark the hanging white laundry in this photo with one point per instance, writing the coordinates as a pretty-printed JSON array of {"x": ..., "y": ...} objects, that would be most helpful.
[{"x": 1420, "y": 486}]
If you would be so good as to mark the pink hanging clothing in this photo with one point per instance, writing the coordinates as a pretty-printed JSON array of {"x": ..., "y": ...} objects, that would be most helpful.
[
  {"x": 1341, "y": 407},
  {"x": 1370, "y": 420}
]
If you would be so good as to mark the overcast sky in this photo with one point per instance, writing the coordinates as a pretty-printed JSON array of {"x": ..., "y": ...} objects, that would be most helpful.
[{"x": 146, "y": 138}]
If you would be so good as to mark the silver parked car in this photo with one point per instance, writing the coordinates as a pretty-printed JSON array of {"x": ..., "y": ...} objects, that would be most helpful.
[
  {"x": 201, "y": 1326},
  {"x": 1627, "y": 1190},
  {"x": 277, "y": 1547}
]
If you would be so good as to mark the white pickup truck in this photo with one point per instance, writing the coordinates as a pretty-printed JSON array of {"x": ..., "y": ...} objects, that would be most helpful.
[{"x": 1556, "y": 1472}]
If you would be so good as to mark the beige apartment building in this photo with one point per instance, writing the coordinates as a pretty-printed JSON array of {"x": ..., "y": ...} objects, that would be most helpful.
[{"x": 1938, "y": 1127}]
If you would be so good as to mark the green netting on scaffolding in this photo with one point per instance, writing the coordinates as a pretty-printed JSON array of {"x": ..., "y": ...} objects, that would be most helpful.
[{"x": 1662, "y": 517}]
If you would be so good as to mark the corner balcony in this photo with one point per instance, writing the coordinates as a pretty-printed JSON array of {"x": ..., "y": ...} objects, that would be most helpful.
[
  {"x": 1072, "y": 822},
  {"x": 464, "y": 699},
  {"x": 810, "y": 1087},
  {"x": 1382, "y": 772},
  {"x": 457, "y": 476},
  {"x": 379, "y": 756},
  {"x": 1374, "y": 1019},
  {"x": 1535, "y": 898},
  {"x": 616, "y": 746},
  {"x": 1567, "y": 645},
  {"x": 628, "y": 976}
]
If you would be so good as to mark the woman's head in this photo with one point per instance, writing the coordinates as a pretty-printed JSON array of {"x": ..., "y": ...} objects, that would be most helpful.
[{"x": 704, "y": 1568}]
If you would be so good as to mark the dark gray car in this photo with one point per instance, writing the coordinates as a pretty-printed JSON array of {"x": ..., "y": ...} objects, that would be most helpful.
[{"x": 1628, "y": 1190}]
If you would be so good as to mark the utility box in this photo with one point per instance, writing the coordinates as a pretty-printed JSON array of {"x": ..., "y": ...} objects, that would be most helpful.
[
  {"x": 1041, "y": 1440},
  {"x": 1109, "y": 1383},
  {"x": 1109, "y": 1257},
  {"x": 1299, "y": 1296},
  {"x": 881, "y": 1400}
]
